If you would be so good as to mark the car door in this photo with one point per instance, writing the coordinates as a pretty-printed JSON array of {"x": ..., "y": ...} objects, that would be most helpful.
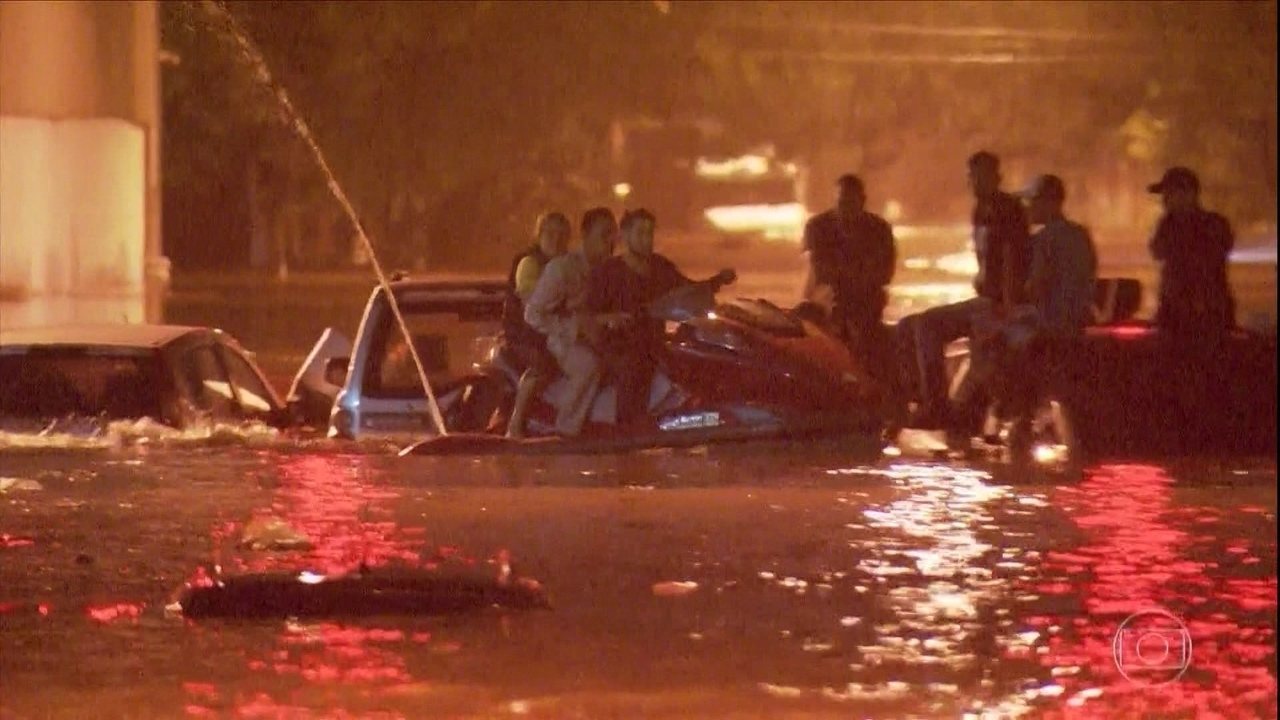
[
  {"x": 254, "y": 399},
  {"x": 208, "y": 385}
]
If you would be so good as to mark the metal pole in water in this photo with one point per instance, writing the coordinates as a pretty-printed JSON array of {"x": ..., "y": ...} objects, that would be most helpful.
[{"x": 304, "y": 131}]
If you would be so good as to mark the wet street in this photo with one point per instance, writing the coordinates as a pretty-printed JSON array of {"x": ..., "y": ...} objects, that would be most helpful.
[{"x": 740, "y": 581}]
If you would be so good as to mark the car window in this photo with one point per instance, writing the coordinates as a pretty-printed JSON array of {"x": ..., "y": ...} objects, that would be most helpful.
[
  {"x": 449, "y": 345},
  {"x": 254, "y": 397},
  {"x": 86, "y": 381},
  {"x": 210, "y": 388}
]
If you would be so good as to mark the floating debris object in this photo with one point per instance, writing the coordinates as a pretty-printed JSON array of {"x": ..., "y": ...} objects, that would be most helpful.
[
  {"x": 365, "y": 592},
  {"x": 674, "y": 588},
  {"x": 272, "y": 533}
]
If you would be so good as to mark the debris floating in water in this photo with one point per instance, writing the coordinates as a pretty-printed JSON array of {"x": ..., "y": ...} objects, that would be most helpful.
[
  {"x": 674, "y": 588},
  {"x": 12, "y": 483},
  {"x": 377, "y": 591},
  {"x": 272, "y": 533}
]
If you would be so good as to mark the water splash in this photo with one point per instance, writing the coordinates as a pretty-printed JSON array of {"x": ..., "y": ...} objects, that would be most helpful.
[
  {"x": 262, "y": 73},
  {"x": 89, "y": 433}
]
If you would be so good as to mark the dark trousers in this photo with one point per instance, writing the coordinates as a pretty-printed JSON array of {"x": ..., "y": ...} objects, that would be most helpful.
[
  {"x": 631, "y": 367},
  {"x": 934, "y": 328}
]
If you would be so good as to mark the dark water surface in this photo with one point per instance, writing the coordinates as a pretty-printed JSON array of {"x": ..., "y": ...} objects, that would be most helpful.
[{"x": 829, "y": 583}]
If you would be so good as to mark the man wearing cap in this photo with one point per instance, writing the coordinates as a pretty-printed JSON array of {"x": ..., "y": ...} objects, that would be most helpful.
[
  {"x": 852, "y": 255},
  {"x": 1059, "y": 289},
  {"x": 1192, "y": 245},
  {"x": 1064, "y": 263},
  {"x": 1001, "y": 241}
]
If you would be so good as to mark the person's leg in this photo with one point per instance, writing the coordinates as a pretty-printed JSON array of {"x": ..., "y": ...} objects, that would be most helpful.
[
  {"x": 525, "y": 390},
  {"x": 634, "y": 377},
  {"x": 582, "y": 373},
  {"x": 934, "y": 328}
]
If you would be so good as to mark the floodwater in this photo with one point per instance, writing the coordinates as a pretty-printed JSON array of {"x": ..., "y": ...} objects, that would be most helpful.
[{"x": 743, "y": 581}]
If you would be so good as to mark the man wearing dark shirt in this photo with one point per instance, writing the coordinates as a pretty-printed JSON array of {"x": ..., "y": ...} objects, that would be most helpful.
[
  {"x": 1192, "y": 245},
  {"x": 618, "y": 292},
  {"x": 851, "y": 251},
  {"x": 1001, "y": 241}
]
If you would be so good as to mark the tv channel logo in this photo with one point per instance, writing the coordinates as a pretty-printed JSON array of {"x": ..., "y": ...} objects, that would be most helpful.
[{"x": 1152, "y": 647}]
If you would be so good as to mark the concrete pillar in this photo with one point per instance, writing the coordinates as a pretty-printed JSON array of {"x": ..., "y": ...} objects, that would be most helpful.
[{"x": 80, "y": 162}]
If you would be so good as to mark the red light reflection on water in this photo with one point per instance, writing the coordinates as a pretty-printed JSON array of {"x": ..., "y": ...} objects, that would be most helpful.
[
  {"x": 347, "y": 519},
  {"x": 13, "y": 541},
  {"x": 331, "y": 501},
  {"x": 333, "y": 653},
  {"x": 1136, "y": 558},
  {"x": 114, "y": 612}
]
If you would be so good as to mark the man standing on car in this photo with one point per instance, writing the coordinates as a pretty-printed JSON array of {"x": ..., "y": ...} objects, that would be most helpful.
[
  {"x": 555, "y": 309},
  {"x": 618, "y": 293},
  {"x": 1001, "y": 243},
  {"x": 1192, "y": 245},
  {"x": 851, "y": 251}
]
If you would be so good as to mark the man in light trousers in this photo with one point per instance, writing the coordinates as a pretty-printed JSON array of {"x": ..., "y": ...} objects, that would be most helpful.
[{"x": 556, "y": 309}]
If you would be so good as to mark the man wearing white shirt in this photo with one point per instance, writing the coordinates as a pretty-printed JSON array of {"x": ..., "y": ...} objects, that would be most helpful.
[{"x": 555, "y": 309}]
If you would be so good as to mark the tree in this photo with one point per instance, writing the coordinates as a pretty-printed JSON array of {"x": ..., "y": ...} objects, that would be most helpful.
[{"x": 482, "y": 113}]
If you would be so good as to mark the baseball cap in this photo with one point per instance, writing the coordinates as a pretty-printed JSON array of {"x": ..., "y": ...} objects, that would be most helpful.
[
  {"x": 849, "y": 180},
  {"x": 1050, "y": 186},
  {"x": 984, "y": 158},
  {"x": 1175, "y": 178}
]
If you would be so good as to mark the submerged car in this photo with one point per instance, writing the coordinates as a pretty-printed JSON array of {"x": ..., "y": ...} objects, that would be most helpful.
[
  {"x": 175, "y": 375},
  {"x": 733, "y": 370},
  {"x": 1123, "y": 387},
  {"x": 370, "y": 388}
]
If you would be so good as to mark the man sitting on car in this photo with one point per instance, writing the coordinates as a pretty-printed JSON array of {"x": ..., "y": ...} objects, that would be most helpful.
[
  {"x": 618, "y": 293},
  {"x": 1060, "y": 288}
]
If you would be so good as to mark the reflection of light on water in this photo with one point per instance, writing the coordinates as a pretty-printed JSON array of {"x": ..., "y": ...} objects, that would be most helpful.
[
  {"x": 928, "y": 533},
  {"x": 335, "y": 504},
  {"x": 1135, "y": 558},
  {"x": 332, "y": 502},
  {"x": 1047, "y": 454}
]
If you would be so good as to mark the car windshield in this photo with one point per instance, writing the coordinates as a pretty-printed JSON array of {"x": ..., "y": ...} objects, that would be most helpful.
[
  {"x": 47, "y": 383},
  {"x": 449, "y": 344}
]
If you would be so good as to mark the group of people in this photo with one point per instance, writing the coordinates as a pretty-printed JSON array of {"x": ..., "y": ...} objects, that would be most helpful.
[
  {"x": 1041, "y": 284},
  {"x": 582, "y": 314}
]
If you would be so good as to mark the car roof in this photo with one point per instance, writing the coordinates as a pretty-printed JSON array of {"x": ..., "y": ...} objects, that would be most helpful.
[
  {"x": 479, "y": 283},
  {"x": 452, "y": 292},
  {"x": 120, "y": 335}
]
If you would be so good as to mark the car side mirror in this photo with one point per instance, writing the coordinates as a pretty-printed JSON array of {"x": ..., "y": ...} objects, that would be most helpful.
[{"x": 335, "y": 370}]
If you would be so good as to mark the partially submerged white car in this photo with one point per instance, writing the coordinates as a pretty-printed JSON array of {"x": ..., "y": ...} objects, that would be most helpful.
[
  {"x": 176, "y": 375},
  {"x": 370, "y": 388}
]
